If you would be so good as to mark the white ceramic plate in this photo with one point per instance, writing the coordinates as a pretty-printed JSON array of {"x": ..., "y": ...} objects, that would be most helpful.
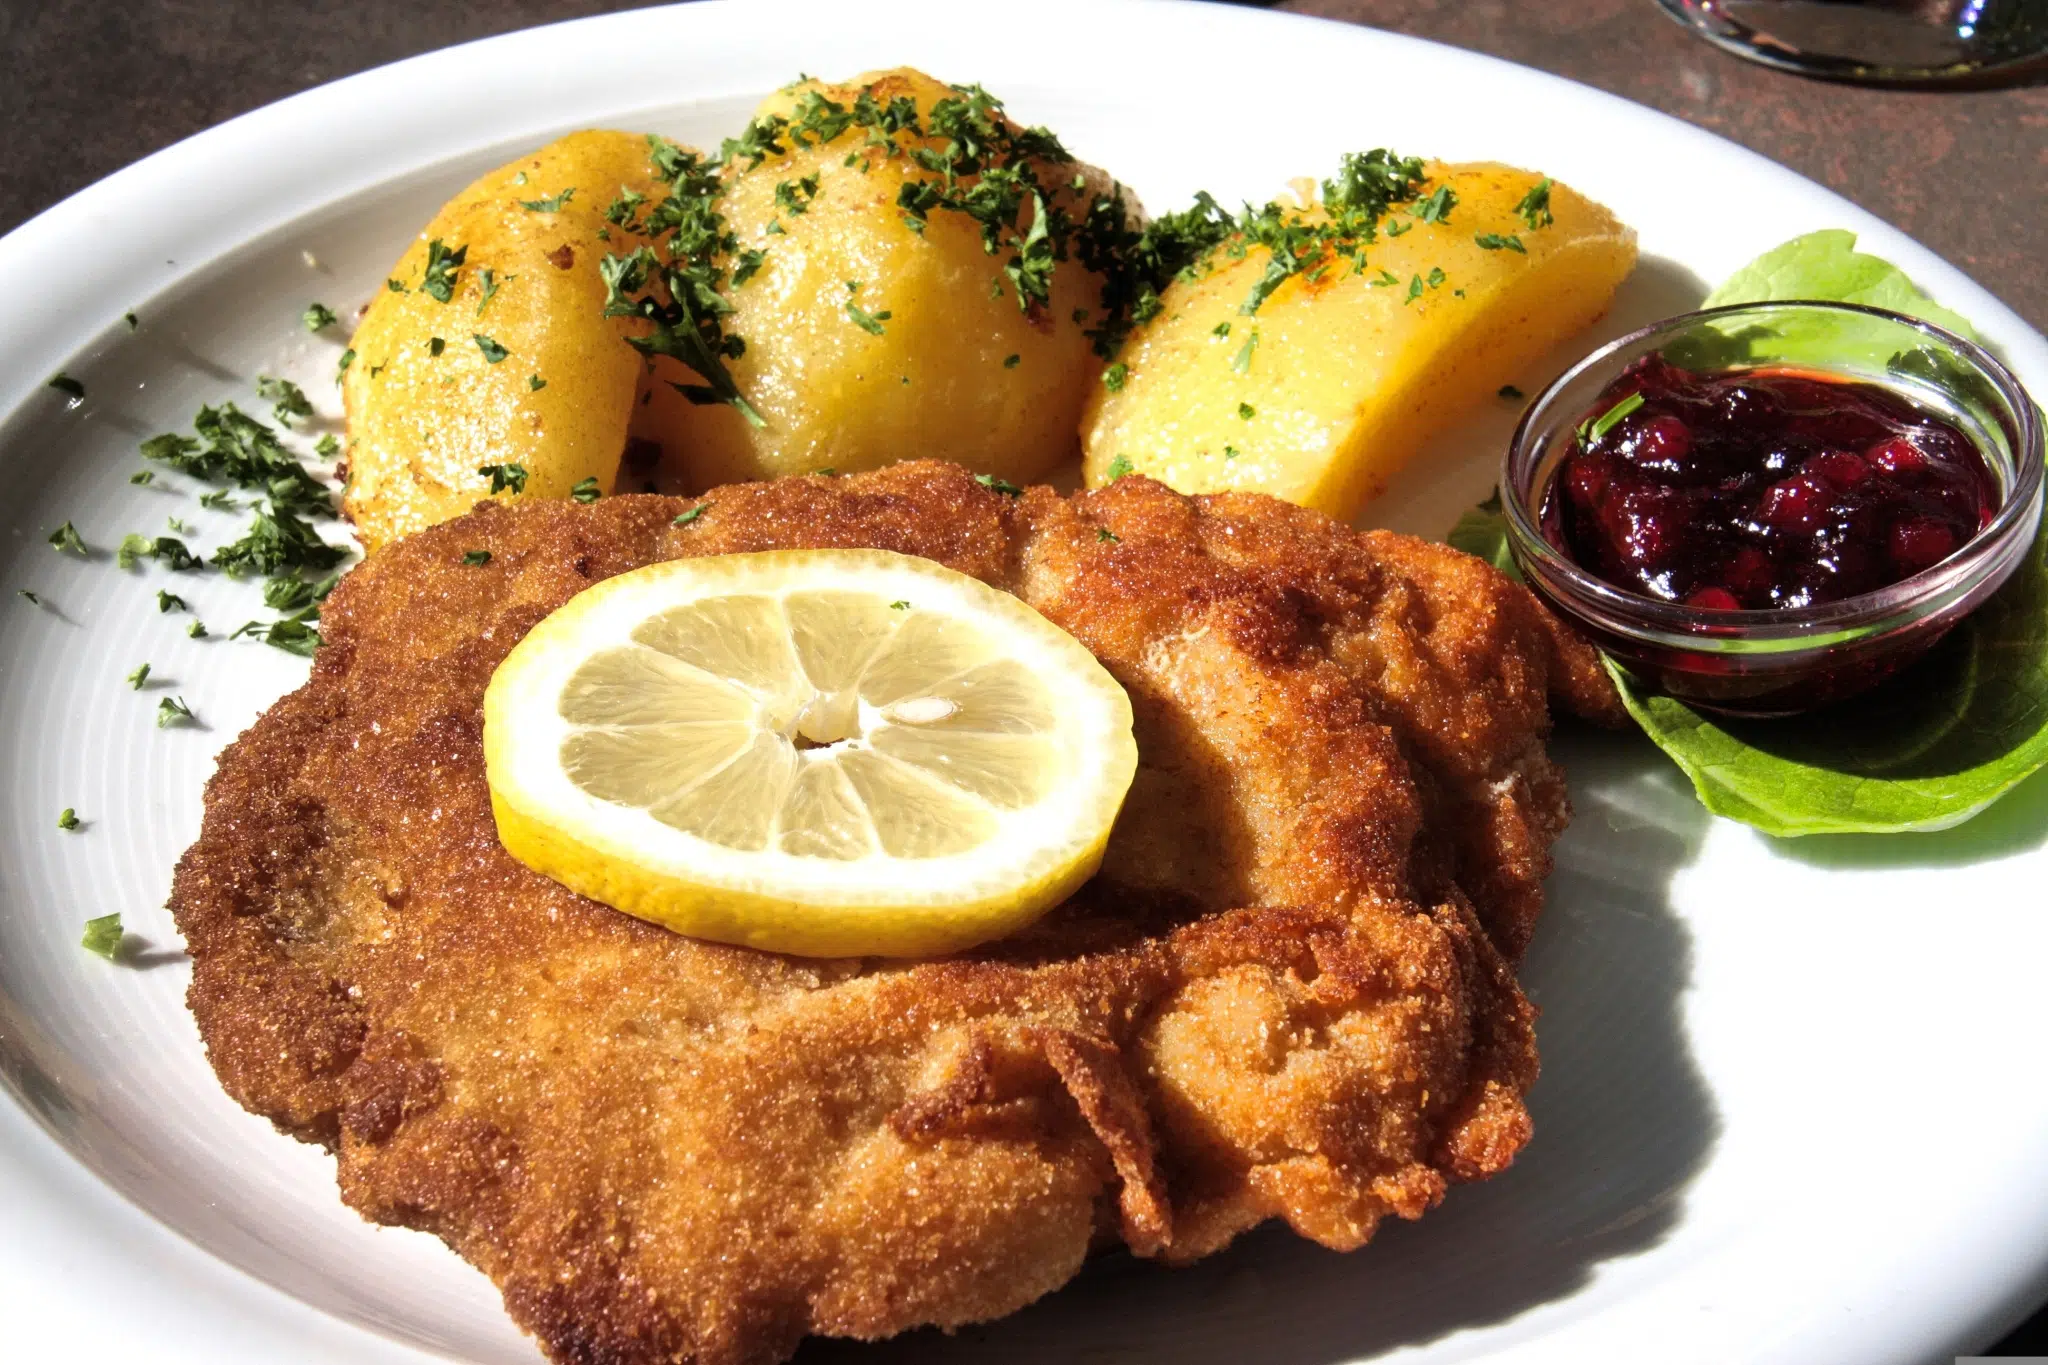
[{"x": 1791, "y": 1107}]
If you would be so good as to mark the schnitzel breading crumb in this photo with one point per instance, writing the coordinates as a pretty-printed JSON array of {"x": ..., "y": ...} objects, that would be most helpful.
[{"x": 1290, "y": 993}]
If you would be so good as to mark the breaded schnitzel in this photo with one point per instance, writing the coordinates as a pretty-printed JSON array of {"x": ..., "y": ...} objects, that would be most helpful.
[{"x": 1289, "y": 993}]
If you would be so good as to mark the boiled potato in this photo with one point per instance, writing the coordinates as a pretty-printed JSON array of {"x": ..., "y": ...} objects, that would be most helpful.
[
  {"x": 868, "y": 341},
  {"x": 518, "y": 365},
  {"x": 1335, "y": 383}
]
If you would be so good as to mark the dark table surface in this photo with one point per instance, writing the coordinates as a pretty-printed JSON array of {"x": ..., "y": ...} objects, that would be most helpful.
[{"x": 87, "y": 87}]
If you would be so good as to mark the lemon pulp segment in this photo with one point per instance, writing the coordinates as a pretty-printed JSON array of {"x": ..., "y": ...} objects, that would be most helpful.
[{"x": 829, "y": 752}]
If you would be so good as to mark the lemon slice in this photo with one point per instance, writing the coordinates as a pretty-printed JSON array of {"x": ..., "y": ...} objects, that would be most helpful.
[{"x": 826, "y": 752}]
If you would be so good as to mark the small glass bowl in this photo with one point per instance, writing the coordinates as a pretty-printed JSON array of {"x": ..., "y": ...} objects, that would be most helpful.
[{"x": 1777, "y": 662}]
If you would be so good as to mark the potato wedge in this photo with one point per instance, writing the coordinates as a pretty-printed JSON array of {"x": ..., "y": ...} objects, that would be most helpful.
[
  {"x": 870, "y": 338},
  {"x": 1337, "y": 382},
  {"x": 518, "y": 364}
]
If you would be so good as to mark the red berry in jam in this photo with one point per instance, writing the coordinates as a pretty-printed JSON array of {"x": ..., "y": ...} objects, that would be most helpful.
[
  {"x": 1800, "y": 503},
  {"x": 1839, "y": 468},
  {"x": 1897, "y": 457},
  {"x": 1920, "y": 544},
  {"x": 1762, "y": 488}
]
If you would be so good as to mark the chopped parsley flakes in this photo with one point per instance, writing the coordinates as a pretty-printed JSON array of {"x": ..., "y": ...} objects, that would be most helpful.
[
  {"x": 1119, "y": 467},
  {"x": 586, "y": 491},
  {"x": 66, "y": 540},
  {"x": 552, "y": 204},
  {"x": 476, "y": 558},
  {"x": 138, "y": 676},
  {"x": 493, "y": 352},
  {"x": 287, "y": 399},
  {"x": 505, "y": 477},
  {"x": 996, "y": 485},
  {"x": 1535, "y": 205},
  {"x": 317, "y": 316},
  {"x": 870, "y": 323},
  {"x": 68, "y": 819},
  {"x": 1496, "y": 241},
  {"x": 688, "y": 515},
  {"x": 444, "y": 264},
  {"x": 103, "y": 936},
  {"x": 68, "y": 386},
  {"x": 172, "y": 711}
]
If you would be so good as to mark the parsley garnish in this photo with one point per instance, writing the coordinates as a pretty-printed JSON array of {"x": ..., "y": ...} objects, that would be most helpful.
[
  {"x": 327, "y": 447},
  {"x": 436, "y": 345},
  {"x": 142, "y": 477},
  {"x": 348, "y": 358},
  {"x": 1245, "y": 412},
  {"x": 1242, "y": 361},
  {"x": 68, "y": 819},
  {"x": 317, "y": 316},
  {"x": 688, "y": 515},
  {"x": 66, "y": 539},
  {"x": 1594, "y": 428},
  {"x": 1414, "y": 289},
  {"x": 443, "y": 266},
  {"x": 679, "y": 294},
  {"x": 25, "y": 595},
  {"x": 169, "y": 601},
  {"x": 395, "y": 286},
  {"x": 172, "y": 711},
  {"x": 1230, "y": 452},
  {"x": 505, "y": 477},
  {"x": 1437, "y": 207},
  {"x": 287, "y": 399},
  {"x": 1221, "y": 329},
  {"x": 490, "y": 282},
  {"x": 1116, "y": 376},
  {"x": 131, "y": 549},
  {"x": 493, "y": 352},
  {"x": 1510, "y": 391},
  {"x": 65, "y": 384},
  {"x": 996, "y": 485},
  {"x": 900, "y": 604},
  {"x": 795, "y": 196},
  {"x": 870, "y": 323},
  {"x": 535, "y": 383},
  {"x": 1012, "y": 361},
  {"x": 219, "y": 500},
  {"x": 1535, "y": 205},
  {"x": 138, "y": 676},
  {"x": 197, "y": 630},
  {"x": 1119, "y": 467},
  {"x": 276, "y": 541},
  {"x": 586, "y": 491},
  {"x": 103, "y": 936},
  {"x": 1495, "y": 241},
  {"x": 1436, "y": 277},
  {"x": 1103, "y": 533},
  {"x": 552, "y": 204},
  {"x": 476, "y": 558},
  {"x": 132, "y": 321}
]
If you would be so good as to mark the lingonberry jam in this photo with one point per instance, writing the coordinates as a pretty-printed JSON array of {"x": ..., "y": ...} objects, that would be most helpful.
[{"x": 1762, "y": 488}]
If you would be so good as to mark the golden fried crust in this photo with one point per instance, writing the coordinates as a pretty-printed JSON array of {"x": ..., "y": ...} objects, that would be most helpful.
[{"x": 1288, "y": 994}]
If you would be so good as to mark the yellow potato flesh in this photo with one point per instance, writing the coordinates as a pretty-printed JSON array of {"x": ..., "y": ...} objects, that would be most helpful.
[
  {"x": 1350, "y": 378},
  {"x": 420, "y": 424},
  {"x": 939, "y": 379}
]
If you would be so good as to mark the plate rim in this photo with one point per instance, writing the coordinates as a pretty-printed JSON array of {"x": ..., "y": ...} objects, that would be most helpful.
[{"x": 197, "y": 231}]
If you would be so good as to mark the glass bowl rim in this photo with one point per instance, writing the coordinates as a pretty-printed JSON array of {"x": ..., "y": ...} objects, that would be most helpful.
[{"x": 1678, "y": 623}]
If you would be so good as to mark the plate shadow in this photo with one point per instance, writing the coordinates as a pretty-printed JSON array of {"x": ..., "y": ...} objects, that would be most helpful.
[{"x": 1623, "y": 1123}]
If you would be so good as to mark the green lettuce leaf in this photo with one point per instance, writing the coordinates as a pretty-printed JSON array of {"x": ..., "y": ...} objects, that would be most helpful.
[
  {"x": 1827, "y": 265},
  {"x": 1925, "y": 751},
  {"x": 1483, "y": 533}
]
